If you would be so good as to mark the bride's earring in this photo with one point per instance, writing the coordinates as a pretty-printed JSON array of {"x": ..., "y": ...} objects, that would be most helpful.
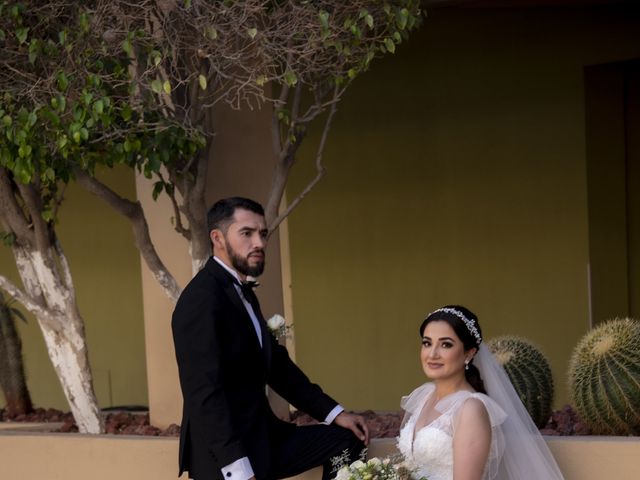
[{"x": 466, "y": 364}]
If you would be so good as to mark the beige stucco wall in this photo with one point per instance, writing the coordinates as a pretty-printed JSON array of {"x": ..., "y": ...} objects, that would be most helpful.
[
  {"x": 456, "y": 173},
  {"x": 109, "y": 457},
  {"x": 241, "y": 165}
]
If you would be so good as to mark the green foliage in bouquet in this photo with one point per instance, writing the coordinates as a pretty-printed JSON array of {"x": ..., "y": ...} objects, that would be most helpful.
[
  {"x": 529, "y": 372},
  {"x": 604, "y": 377}
]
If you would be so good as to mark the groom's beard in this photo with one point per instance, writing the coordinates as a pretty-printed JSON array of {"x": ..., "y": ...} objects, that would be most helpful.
[{"x": 241, "y": 264}]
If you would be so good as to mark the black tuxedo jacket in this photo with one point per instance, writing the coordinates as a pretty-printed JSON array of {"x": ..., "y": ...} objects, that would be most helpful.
[{"x": 223, "y": 373}]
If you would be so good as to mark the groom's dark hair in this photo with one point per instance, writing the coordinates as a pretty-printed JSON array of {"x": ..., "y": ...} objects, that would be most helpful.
[{"x": 221, "y": 213}]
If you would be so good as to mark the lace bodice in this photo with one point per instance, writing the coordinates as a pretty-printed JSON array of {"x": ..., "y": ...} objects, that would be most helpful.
[{"x": 429, "y": 451}]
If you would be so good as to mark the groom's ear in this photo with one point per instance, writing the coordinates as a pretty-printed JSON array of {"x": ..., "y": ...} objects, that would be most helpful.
[{"x": 216, "y": 239}]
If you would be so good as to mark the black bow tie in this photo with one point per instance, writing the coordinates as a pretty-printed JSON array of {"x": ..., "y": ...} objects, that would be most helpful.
[{"x": 247, "y": 289}]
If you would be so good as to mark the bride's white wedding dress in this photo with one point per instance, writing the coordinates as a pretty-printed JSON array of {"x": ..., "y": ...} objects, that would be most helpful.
[{"x": 429, "y": 451}]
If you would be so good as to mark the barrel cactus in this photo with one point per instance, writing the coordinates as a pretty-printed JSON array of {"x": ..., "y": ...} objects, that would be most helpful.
[
  {"x": 604, "y": 377},
  {"x": 529, "y": 372}
]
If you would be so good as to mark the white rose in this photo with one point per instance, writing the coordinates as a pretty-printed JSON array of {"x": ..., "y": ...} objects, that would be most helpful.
[
  {"x": 343, "y": 474},
  {"x": 357, "y": 464},
  {"x": 276, "y": 322},
  {"x": 375, "y": 461}
]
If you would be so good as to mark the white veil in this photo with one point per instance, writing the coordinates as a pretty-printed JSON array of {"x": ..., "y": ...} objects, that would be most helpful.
[{"x": 526, "y": 455}]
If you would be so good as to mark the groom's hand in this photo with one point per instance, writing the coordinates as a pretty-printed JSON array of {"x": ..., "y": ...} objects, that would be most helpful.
[{"x": 355, "y": 423}]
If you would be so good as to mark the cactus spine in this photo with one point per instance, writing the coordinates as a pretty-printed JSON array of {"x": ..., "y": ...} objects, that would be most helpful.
[
  {"x": 529, "y": 372},
  {"x": 604, "y": 377}
]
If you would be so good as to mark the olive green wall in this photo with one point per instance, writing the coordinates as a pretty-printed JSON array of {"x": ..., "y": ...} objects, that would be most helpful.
[
  {"x": 106, "y": 272},
  {"x": 456, "y": 173}
]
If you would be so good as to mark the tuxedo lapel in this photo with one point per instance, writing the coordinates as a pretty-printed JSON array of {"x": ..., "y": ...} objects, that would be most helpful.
[
  {"x": 264, "y": 329},
  {"x": 228, "y": 286}
]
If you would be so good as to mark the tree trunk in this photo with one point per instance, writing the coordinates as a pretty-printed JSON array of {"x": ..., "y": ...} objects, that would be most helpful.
[
  {"x": 68, "y": 352},
  {"x": 12, "y": 378},
  {"x": 63, "y": 331}
]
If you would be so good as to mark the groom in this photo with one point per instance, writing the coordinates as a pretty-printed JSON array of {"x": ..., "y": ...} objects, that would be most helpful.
[{"x": 226, "y": 357}]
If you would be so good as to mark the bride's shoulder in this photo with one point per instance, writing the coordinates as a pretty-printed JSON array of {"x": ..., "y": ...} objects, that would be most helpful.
[
  {"x": 472, "y": 411},
  {"x": 474, "y": 405},
  {"x": 483, "y": 404}
]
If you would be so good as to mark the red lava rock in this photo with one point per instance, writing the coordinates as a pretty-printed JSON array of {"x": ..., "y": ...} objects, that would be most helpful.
[
  {"x": 565, "y": 422},
  {"x": 172, "y": 430},
  {"x": 68, "y": 426},
  {"x": 141, "y": 419},
  {"x": 381, "y": 424},
  {"x": 150, "y": 430}
]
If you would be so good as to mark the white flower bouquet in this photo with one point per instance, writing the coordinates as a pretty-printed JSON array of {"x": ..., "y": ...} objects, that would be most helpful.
[{"x": 373, "y": 469}]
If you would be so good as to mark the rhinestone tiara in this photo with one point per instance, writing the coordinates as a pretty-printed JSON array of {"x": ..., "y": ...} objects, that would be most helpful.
[{"x": 469, "y": 323}]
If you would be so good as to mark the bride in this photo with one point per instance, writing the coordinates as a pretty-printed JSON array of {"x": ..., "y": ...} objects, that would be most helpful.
[{"x": 468, "y": 423}]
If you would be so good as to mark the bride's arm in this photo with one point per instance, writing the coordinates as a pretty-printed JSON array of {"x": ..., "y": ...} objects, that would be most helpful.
[{"x": 471, "y": 441}]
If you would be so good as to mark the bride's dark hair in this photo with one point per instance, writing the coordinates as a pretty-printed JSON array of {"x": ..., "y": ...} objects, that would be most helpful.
[{"x": 469, "y": 340}]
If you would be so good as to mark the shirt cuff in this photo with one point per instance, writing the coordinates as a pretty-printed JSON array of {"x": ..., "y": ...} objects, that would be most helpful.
[
  {"x": 337, "y": 410},
  {"x": 238, "y": 470}
]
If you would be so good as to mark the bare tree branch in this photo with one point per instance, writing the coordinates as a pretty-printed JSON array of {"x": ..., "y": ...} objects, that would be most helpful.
[
  {"x": 10, "y": 211},
  {"x": 277, "y": 189},
  {"x": 133, "y": 211},
  {"x": 64, "y": 265},
  {"x": 34, "y": 207},
  {"x": 25, "y": 300},
  {"x": 178, "y": 226}
]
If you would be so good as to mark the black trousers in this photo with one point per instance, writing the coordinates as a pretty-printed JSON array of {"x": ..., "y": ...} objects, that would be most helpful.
[{"x": 297, "y": 449}]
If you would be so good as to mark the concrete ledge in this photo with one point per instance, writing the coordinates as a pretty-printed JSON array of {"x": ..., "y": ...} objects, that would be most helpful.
[
  {"x": 63, "y": 456},
  {"x": 30, "y": 427}
]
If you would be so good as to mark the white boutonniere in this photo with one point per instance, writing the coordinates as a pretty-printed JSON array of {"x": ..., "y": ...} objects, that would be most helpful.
[{"x": 278, "y": 326}]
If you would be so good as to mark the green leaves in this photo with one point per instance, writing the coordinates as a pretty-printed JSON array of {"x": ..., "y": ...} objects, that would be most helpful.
[
  {"x": 390, "y": 45},
  {"x": 202, "y": 81},
  {"x": 21, "y": 34},
  {"x": 155, "y": 57},
  {"x": 323, "y": 15},
  {"x": 252, "y": 32},
  {"x": 98, "y": 107},
  {"x": 369, "y": 20},
  {"x": 81, "y": 114},
  {"x": 62, "y": 81},
  {"x": 126, "y": 112},
  {"x": 290, "y": 78},
  {"x": 210, "y": 32},
  {"x": 34, "y": 50},
  {"x": 127, "y": 44},
  {"x": 8, "y": 238},
  {"x": 402, "y": 17},
  {"x": 156, "y": 85},
  {"x": 83, "y": 22}
]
